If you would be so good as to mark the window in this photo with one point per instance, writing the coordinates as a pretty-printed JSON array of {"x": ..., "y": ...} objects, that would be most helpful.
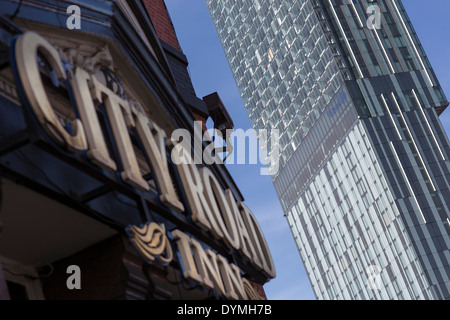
[{"x": 23, "y": 282}]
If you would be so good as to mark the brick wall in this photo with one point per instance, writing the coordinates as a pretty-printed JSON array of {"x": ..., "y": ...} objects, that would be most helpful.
[
  {"x": 166, "y": 32},
  {"x": 4, "y": 294},
  {"x": 161, "y": 20},
  {"x": 199, "y": 117},
  {"x": 103, "y": 275}
]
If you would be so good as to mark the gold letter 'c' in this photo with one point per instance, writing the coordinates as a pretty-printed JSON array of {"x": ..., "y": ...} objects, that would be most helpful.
[{"x": 27, "y": 47}]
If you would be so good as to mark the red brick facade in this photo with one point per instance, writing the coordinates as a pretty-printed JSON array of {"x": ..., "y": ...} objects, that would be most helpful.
[
  {"x": 202, "y": 119},
  {"x": 162, "y": 23},
  {"x": 166, "y": 32},
  {"x": 4, "y": 295}
]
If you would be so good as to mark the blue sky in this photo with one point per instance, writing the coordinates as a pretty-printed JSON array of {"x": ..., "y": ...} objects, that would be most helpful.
[{"x": 210, "y": 73}]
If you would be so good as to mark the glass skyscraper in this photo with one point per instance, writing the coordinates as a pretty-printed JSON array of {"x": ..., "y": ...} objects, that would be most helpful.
[{"x": 363, "y": 173}]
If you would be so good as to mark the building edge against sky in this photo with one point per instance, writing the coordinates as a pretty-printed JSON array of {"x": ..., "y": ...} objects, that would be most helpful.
[
  {"x": 364, "y": 162},
  {"x": 92, "y": 203}
]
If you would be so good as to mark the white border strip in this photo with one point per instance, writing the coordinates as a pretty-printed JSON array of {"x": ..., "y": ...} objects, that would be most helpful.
[
  {"x": 356, "y": 12},
  {"x": 384, "y": 51},
  {"x": 406, "y": 179},
  {"x": 377, "y": 36},
  {"x": 428, "y": 124},
  {"x": 413, "y": 141},
  {"x": 390, "y": 115},
  {"x": 346, "y": 40},
  {"x": 412, "y": 42}
]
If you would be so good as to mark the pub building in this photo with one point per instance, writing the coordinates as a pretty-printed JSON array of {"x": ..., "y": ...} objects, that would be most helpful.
[{"x": 98, "y": 200}]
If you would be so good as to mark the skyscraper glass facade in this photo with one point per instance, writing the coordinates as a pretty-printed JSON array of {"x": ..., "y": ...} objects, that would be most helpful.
[{"x": 363, "y": 168}]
